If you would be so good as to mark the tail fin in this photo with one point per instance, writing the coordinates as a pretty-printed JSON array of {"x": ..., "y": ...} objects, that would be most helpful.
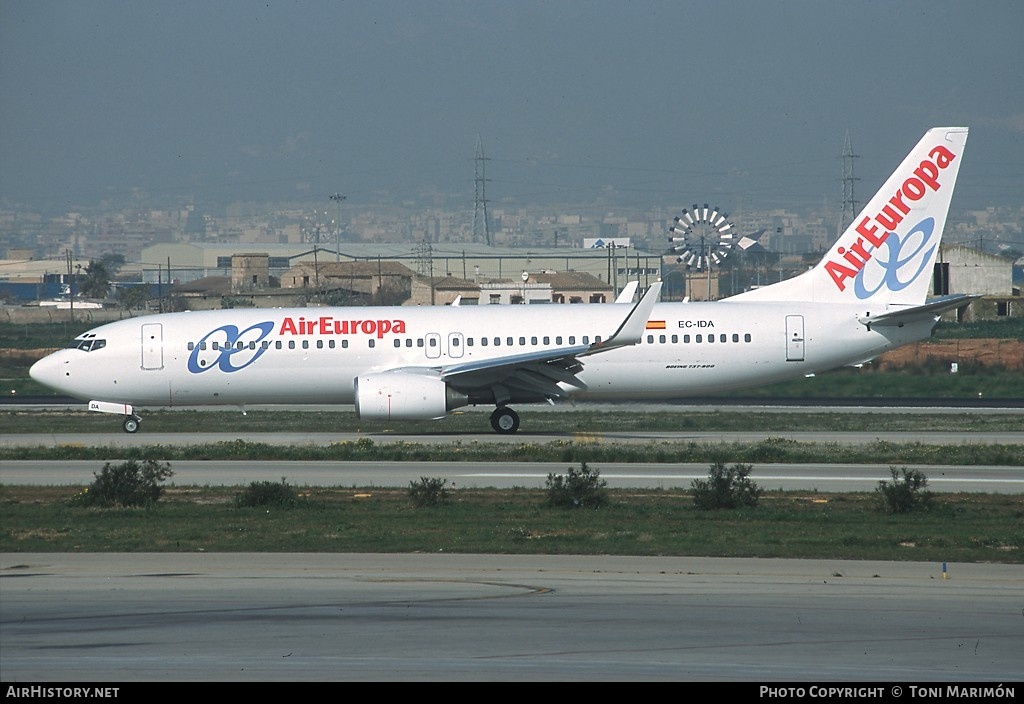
[{"x": 886, "y": 255}]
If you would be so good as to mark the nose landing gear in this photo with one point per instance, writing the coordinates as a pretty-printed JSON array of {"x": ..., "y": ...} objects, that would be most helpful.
[
  {"x": 131, "y": 420},
  {"x": 131, "y": 424}
]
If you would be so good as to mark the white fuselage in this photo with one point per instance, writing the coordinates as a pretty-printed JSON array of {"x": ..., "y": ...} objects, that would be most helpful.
[{"x": 312, "y": 355}]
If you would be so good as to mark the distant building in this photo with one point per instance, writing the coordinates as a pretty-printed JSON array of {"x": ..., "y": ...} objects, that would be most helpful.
[
  {"x": 962, "y": 269},
  {"x": 969, "y": 270},
  {"x": 513, "y": 293},
  {"x": 574, "y": 287},
  {"x": 702, "y": 285},
  {"x": 206, "y": 293},
  {"x": 371, "y": 281},
  {"x": 480, "y": 263},
  {"x": 217, "y": 292},
  {"x": 443, "y": 291},
  {"x": 249, "y": 272}
]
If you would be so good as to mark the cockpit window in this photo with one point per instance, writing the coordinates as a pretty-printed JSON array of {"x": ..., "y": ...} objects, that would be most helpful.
[{"x": 88, "y": 345}]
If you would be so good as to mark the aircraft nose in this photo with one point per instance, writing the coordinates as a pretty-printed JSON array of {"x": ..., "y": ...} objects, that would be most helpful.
[{"x": 46, "y": 371}]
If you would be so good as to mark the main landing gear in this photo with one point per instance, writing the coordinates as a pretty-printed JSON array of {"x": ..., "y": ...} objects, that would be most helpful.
[
  {"x": 504, "y": 420},
  {"x": 131, "y": 424}
]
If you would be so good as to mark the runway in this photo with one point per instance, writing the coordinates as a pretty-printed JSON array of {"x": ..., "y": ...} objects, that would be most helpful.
[
  {"x": 530, "y": 475},
  {"x": 136, "y": 618},
  {"x": 119, "y": 618},
  {"x": 144, "y": 439},
  {"x": 810, "y": 477}
]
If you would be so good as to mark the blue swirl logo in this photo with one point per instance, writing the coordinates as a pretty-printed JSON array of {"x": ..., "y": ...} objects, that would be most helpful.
[
  {"x": 229, "y": 349},
  {"x": 887, "y": 266}
]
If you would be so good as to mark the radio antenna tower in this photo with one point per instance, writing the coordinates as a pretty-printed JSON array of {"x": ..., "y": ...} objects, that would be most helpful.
[
  {"x": 481, "y": 225},
  {"x": 425, "y": 265},
  {"x": 849, "y": 202}
]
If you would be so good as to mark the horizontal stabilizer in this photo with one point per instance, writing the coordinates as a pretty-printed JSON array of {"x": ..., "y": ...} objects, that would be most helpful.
[{"x": 910, "y": 314}]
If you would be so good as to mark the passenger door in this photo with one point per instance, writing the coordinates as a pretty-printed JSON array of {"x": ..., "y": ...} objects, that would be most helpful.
[
  {"x": 794, "y": 338},
  {"x": 153, "y": 346}
]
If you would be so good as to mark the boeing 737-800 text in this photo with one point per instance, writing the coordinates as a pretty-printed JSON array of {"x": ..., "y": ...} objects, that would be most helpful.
[{"x": 867, "y": 295}]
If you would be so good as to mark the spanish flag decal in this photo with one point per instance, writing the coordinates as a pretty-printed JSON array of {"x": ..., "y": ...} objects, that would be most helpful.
[{"x": 655, "y": 324}]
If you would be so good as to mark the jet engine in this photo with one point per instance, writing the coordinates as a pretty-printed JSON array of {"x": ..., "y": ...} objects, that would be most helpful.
[{"x": 404, "y": 396}]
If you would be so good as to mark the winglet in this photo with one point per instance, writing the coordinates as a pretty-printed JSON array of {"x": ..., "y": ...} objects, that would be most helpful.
[
  {"x": 627, "y": 292},
  {"x": 631, "y": 330}
]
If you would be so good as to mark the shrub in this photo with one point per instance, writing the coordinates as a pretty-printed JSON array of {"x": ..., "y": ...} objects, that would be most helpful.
[
  {"x": 580, "y": 488},
  {"x": 904, "y": 494},
  {"x": 726, "y": 488},
  {"x": 130, "y": 483},
  {"x": 264, "y": 493},
  {"x": 773, "y": 449},
  {"x": 428, "y": 491}
]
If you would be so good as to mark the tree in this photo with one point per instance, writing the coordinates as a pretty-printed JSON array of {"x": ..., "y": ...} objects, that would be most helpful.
[
  {"x": 578, "y": 488},
  {"x": 905, "y": 494},
  {"x": 113, "y": 262},
  {"x": 97, "y": 280},
  {"x": 130, "y": 483},
  {"x": 133, "y": 297},
  {"x": 726, "y": 487},
  {"x": 428, "y": 491}
]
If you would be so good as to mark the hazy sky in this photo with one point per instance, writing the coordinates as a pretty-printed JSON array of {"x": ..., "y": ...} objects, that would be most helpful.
[{"x": 650, "y": 103}]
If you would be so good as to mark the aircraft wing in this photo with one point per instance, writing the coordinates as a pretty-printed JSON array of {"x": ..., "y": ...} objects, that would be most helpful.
[
  {"x": 538, "y": 374},
  {"x": 931, "y": 309}
]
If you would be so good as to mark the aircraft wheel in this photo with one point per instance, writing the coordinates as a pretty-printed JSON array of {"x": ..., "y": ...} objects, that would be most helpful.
[
  {"x": 505, "y": 420},
  {"x": 130, "y": 424}
]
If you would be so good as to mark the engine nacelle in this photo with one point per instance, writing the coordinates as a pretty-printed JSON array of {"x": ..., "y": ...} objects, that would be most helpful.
[{"x": 403, "y": 396}]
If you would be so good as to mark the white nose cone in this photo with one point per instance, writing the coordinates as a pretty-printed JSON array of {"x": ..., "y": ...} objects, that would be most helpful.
[{"x": 46, "y": 371}]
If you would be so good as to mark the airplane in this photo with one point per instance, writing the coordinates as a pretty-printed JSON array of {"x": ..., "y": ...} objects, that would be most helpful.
[{"x": 868, "y": 294}]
